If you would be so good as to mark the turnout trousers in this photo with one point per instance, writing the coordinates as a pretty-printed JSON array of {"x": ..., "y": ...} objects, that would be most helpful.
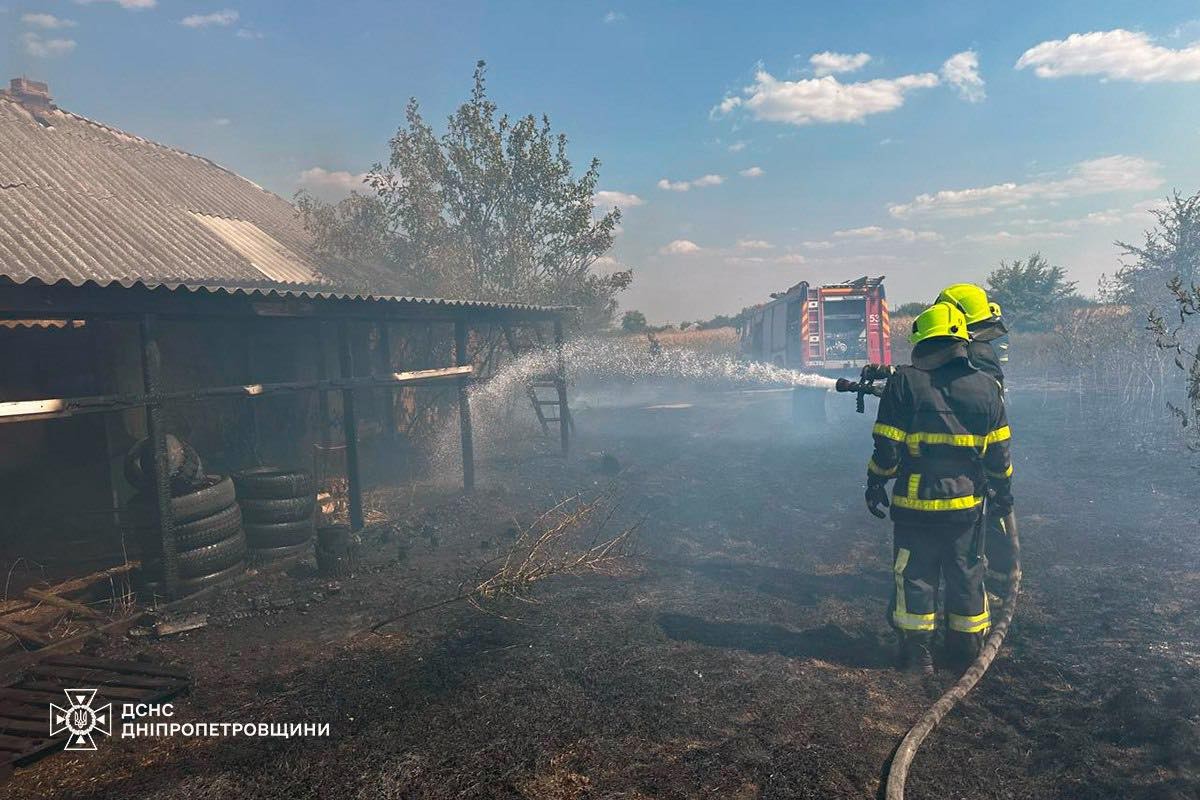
[{"x": 923, "y": 555}]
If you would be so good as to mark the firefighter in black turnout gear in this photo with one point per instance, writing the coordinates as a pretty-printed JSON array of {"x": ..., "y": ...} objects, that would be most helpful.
[
  {"x": 988, "y": 348},
  {"x": 942, "y": 434}
]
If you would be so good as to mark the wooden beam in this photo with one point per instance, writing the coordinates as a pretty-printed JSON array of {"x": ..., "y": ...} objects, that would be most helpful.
[
  {"x": 157, "y": 434},
  {"x": 350, "y": 427},
  {"x": 56, "y": 408},
  {"x": 464, "y": 406}
]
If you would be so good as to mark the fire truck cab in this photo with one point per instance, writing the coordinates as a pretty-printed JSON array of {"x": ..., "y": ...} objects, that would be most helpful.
[{"x": 826, "y": 329}]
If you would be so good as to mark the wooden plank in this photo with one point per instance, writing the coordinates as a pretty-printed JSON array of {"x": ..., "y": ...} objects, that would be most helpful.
[
  {"x": 19, "y": 744},
  {"x": 106, "y": 692},
  {"x": 90, "y": 677},
  {"x": 14, "y": 711},
  {"x": 29, "y": 696},
  {"x": 70, "y": 586},
  {"x": 24, "y": 633},
  {"x": 125, "y": 667},
  {"x": 25, "y": 726},
  {"x": 62, "y": 602}
]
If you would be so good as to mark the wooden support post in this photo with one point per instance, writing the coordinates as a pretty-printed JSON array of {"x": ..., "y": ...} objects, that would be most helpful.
[
  {"x": 462, "y": 358},
  {"x": 322, "y": 396},
  {"x": 350, "y": 427},
  {"x": 155, "y": 430},
  {"x": 560, "y": 382},
  {"x": 389, "y": 396},
  {"x": 249, "y": 405}
]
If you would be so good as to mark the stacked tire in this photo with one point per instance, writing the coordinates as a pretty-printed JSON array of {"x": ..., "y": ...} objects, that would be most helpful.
[
  {"x": 210, "y": 545},
  {"x": 278, "y": 508}
]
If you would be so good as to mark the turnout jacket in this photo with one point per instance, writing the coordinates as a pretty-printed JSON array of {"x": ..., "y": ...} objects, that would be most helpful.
[
  {"x": 942, "y": 433},
  {"x": 983, "y": 353}
]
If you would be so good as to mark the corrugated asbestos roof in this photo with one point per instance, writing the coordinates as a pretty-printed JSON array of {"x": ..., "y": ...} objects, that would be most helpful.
[{"x": 87, "y": 204}]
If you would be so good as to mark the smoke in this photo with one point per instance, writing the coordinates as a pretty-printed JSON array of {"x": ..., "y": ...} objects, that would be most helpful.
[{"x": 500, "y": 406}]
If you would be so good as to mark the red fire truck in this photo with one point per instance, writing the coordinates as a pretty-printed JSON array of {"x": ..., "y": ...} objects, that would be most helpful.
[{"x": 827, "y": 329}]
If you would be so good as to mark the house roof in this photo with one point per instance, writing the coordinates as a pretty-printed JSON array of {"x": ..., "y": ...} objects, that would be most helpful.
[{"x": 85, "y": 203}]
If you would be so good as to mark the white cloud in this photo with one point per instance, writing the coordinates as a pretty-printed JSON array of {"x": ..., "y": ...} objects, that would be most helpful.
[
  {"x": 875, "y": 233},
  {"x": 331, "y": 185},
  {"x": 1004, "y": 237},
  {"x": 961, "y": 71},
  {"x": 1097, "y": 176},
  {"x": 791, "y": 258},
  {"x": 246, "y": 33},
  {"x": 683, "y": 186},
  {"x": 737, "y": 147},
  {"x": 608, "y": 199},
  {"x": 40, "y": 47},
  {"x": 814, "y": 100},
  {"x": 828, "y": 63},
  {"x": 820, "y": 244},
  {"x": 221, "y": 19},
  {"x": 222, "y": 122},
  {"x": 1117, "y": 55},
  {"x": 752, "y": 172},
  {"x": 135, "y": 5},
  {"x": 729, "y": 103},
  {"x": 680, "y": 247},
  {"x": 47, "y": 21},
  {"x": 614, "y": 16},
  {"x": 754, "y": 244}
]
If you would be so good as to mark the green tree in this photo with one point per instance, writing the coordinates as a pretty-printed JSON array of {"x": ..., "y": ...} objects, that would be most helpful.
[
  {"x": 1031, "y": 292},
  {"x": 490, "y": 209},
  {"x": 909, "y": 309},
  {"x": 633, "y": 322},
  {"x": 1171, "y": 251}
]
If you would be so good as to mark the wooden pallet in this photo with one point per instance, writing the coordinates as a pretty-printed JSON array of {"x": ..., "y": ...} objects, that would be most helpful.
[{"x": 25, "y": 702}]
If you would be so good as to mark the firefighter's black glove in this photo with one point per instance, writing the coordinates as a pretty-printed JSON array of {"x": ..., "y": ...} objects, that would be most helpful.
[{"x": 877, "y": 496}]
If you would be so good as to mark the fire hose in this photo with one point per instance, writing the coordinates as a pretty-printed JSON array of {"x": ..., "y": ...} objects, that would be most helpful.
[{"x": 907, "y": 749}]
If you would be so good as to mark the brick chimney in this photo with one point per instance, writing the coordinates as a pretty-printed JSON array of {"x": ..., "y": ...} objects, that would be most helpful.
[{"x": 34, "y": 95}]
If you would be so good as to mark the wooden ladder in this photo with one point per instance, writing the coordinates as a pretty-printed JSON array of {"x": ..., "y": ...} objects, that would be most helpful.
[{"x": 550, "y": 380}]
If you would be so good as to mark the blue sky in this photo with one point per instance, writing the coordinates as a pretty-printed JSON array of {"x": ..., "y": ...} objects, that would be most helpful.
[{"x": 751, "y": 145}]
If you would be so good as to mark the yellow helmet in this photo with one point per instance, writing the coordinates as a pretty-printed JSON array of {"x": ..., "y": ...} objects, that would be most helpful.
[
  {"x": 995, "y": 309},
  {"x": 972, "y": 299},
  {"x": 939, "y": 320}
]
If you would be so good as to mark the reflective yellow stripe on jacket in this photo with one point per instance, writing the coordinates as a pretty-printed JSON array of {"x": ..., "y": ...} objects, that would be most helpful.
[
  {"x": 914, "y": 502},
  {"x": 915, "y": 439},
  {"x": 889, "y": 432}
]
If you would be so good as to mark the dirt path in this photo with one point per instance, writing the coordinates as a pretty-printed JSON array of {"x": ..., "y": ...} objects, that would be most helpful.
[{"x": 745, "y": 656}]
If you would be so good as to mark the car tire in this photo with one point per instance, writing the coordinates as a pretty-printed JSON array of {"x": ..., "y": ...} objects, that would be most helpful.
[
  {"x": 273, "y": 483},
  {"x": 278, "y": 534},
  {"x": 212, "y": 558},
  {"x": 197, "y": 533},
  {"x": 259, "y": 511},
  {"x": 215, "y": 495},
  {"x": 184, "y": 466},
  {"x": 148, "y": 589}
]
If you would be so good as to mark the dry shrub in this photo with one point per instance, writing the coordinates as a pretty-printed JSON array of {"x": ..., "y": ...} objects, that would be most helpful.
[{"x": 570, "y": 538}]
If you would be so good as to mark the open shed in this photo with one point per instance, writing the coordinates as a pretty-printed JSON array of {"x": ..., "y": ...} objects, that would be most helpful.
[{"x": 147, "y": 291}]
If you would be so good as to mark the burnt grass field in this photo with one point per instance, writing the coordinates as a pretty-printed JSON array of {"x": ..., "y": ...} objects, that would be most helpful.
[{"x": 743, "y": 653}]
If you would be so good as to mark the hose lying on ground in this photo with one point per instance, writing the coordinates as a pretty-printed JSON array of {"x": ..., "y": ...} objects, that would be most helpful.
[{"x": 902, "y": 758}]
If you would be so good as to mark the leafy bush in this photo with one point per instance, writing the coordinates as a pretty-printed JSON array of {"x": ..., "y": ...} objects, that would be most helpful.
[{"x": 1032, "y": 293}]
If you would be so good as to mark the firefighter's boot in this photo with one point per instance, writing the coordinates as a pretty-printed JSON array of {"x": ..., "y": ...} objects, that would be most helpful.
[
  {"x": 963, "y": 648},
  {"x": 915, "y": 655}
]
